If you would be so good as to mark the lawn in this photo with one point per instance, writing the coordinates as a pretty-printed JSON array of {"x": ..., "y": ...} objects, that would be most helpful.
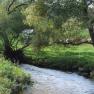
[{"x": 66, "y": 58}]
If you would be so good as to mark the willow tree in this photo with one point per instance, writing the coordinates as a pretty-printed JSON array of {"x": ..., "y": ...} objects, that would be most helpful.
[
  {"x": 56, "y": 20},
  {"x": 11, "y": 26},
  {"x": 36, "y": 17}
]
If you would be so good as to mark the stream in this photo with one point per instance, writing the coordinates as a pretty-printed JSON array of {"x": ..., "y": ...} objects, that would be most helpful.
[{"x": 47, "y": 81}]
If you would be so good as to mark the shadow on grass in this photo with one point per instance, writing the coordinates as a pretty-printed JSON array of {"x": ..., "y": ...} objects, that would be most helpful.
[
  {"x": 69, "y": 61},
  {"x": 66, "y": 59}
]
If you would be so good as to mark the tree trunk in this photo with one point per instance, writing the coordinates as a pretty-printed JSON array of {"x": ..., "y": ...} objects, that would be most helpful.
[
  {"x": 91, "y": 32},
  {"x": 16, "y": 56}
]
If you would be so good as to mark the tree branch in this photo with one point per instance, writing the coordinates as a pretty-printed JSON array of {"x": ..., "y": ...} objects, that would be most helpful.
[
  {"x": 71, "y": 43},
  {"x": 12, "y": 10},
  {"x": 75, "y": 43},
  {"x": 8, "y": 9},
  {"x": 24, "y": 47}
]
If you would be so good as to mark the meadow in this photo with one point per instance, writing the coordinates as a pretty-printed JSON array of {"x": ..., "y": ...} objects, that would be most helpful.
[{"x": 67, "y": 58}]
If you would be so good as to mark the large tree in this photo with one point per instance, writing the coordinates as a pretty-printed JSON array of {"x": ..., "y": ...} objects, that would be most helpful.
[
  {"x": 60, "y": 19},
  {"x": 52, "y": 20},
  {"x": 11, "y": 27},
  {"x": 89, "y": 7}
]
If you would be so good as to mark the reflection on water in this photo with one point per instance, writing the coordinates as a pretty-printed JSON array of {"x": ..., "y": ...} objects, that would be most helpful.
[{"x": 55, "y": 82}]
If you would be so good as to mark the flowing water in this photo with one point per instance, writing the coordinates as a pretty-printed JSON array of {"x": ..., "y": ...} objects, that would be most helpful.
[{"x": 47, "y": 81}]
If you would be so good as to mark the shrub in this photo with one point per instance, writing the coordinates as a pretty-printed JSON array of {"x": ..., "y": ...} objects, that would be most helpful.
[{"x": 12, "y": 78}]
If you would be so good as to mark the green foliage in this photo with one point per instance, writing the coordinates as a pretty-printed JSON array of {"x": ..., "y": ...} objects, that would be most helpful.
[
  {"x": 12, "y": 76},
  {"x": 5, "y": 84},
  {"x": 36, "y": 16},
  {"x": 63, "y": 19},
  {"x": 11, "y": 26},
  {"x": 74, "y": 30}
]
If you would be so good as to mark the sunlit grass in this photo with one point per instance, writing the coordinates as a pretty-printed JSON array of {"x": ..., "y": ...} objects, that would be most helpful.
[
  {"x": 61, "y": 51},
  {"x": 65, "y": 57}
]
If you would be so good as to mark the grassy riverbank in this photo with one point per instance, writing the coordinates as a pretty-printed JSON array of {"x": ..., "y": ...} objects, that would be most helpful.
[
  {"x": 12, "y": 78},
  {"x": 70, "y": 58}
]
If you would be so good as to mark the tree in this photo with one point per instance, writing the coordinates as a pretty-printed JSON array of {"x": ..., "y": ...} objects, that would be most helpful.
[
  {"x": 11, "y": 26},
  {"x": 51, "y": 16},
  {"x": 51, "y": 20},
  {"x": 90, "y": 14}
]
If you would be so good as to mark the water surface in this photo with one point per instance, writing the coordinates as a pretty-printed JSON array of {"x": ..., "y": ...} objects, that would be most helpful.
[{"x": 47, "y": 81}]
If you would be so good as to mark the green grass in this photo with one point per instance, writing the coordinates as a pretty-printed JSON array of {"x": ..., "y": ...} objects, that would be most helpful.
[
  {"x": 69, "y": 58},
  {"x": 55, "y": 52},
  {"x": 12, "y": 78}
]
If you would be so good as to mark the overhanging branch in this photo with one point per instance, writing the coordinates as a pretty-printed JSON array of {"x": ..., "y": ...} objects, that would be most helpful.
[
  {"x": 79, "y": 43},
  {"x": 10, "y": 11},
  {"x": 17, "y": 6},
  {"x": 12, "y": 2},
  {"x": 75, "y": 43}
]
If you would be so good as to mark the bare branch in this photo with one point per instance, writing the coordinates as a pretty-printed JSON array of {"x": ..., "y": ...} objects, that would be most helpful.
[
  {"x": 8, "y": 9},
  {"x": 12, "y": 10}
]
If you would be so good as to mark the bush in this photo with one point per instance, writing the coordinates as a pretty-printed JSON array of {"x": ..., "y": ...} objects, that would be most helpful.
[{"x": 12, "y": 78}]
